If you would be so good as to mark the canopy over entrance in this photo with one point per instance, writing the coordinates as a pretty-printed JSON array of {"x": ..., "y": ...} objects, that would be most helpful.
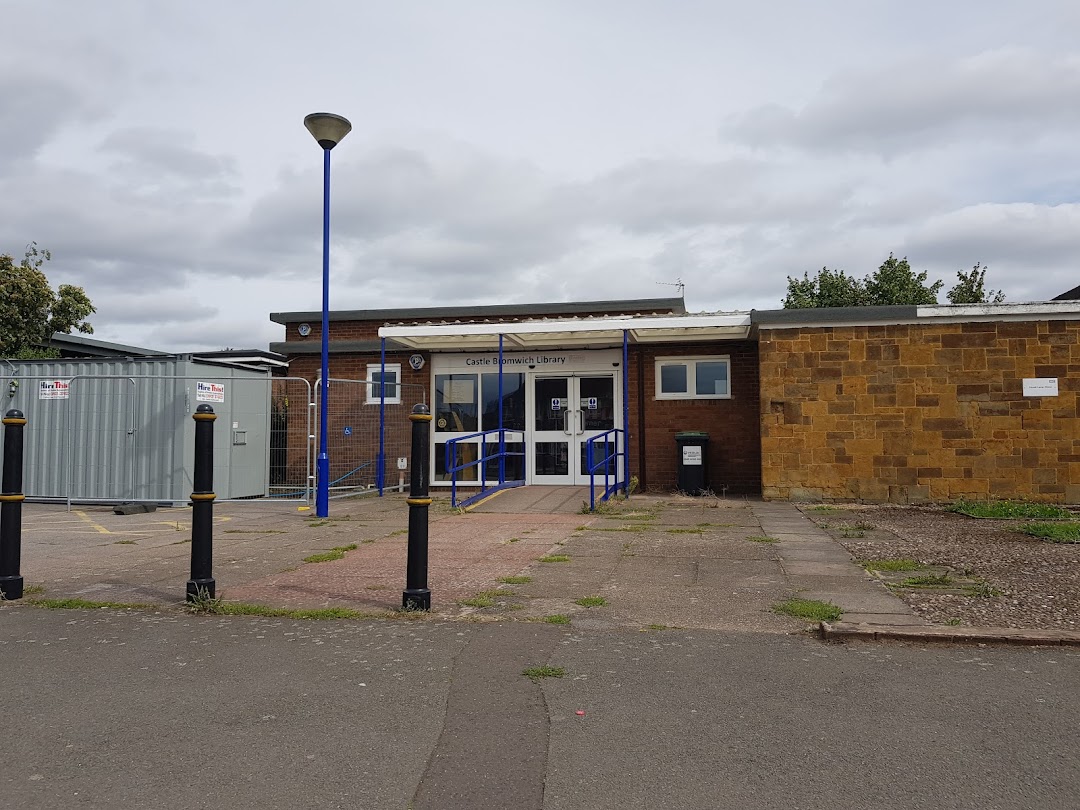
[{"x": 570, "y": 333}]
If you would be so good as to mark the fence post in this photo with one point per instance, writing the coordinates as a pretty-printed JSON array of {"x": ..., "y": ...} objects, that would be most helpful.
[
  {"x": 416, "y": 595},
  {"x": 11, "y": 501},
  {"x": 201, "y": 584}
]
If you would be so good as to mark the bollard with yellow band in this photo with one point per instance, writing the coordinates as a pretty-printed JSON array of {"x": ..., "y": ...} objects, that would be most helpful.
[
  {"x": 202, "y": 585},
  {"x": 416, "y": 595},
  {"x": 11, "y": 501}
]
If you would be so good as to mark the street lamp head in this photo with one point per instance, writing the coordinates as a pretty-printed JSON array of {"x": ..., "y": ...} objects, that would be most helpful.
[{"x": 328, "y": 129}]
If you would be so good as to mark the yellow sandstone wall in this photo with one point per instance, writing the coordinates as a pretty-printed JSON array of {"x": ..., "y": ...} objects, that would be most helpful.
[{"x": 920, "y": 413}]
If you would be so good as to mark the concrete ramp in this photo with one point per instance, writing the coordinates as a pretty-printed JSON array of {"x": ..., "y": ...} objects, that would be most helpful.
[{"x": 546, "y": 500}]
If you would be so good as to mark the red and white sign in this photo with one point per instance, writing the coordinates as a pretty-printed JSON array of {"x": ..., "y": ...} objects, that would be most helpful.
[
  {"x": 54, "y": 389},
  {"x": 209, "y": 392}
]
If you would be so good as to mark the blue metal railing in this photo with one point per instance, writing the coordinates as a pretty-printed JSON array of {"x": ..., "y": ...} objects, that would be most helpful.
[
  {"x": 611, "y": 470},
  {"x": 501, "y": 453}
]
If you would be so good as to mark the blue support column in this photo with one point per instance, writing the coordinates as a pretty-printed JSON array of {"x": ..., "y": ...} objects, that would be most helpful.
[
  {"x": 322, "y": 467},
  {"x": 626, "y": 411},
  {"x": 380, "y": 466},
  {"x": 502, "y": 435}
]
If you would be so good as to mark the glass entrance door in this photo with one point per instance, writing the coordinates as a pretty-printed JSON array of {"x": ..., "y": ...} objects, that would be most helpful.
[{"x": 567, "y": 412}]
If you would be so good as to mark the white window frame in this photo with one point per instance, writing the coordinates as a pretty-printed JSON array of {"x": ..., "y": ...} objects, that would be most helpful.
[
  {"x": 372, "y": 392},
  {"x": 691, "y": 376}
]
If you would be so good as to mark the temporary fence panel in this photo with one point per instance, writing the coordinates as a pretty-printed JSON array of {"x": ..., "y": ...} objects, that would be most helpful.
[
  {"x": 129, "y": 435},
  {"x": 364, "y": 460}
]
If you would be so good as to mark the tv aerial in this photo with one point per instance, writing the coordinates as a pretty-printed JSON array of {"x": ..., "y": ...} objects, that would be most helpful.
[{"x": 678, "y": 282}]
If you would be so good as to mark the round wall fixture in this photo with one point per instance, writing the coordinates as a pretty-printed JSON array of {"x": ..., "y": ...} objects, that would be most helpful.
[{"x": 304, "y": 329}]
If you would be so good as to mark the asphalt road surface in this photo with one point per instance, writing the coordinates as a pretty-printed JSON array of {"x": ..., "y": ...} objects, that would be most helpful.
[{"x": 113, "y": 709}]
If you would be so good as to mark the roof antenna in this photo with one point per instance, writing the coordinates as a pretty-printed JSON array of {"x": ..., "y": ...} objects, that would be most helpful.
[{"x": 677, "y": 283}]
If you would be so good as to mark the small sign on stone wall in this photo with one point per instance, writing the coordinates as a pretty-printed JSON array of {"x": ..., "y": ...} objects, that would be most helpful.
[{"x": 1041, "y": 387}]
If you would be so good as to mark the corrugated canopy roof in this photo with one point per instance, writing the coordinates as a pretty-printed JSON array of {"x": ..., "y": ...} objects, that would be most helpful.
[{"x": 569, "y": 332}]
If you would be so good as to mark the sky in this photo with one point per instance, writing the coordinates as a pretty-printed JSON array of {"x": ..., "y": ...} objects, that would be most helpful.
[{"x": 530, "y": 151}]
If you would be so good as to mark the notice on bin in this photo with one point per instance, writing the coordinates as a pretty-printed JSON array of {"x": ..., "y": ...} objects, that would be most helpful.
[
  {"x": 209, "y": 392},
  {"x": 53, "y": 389},
  {"x": 691, "y": 456}
]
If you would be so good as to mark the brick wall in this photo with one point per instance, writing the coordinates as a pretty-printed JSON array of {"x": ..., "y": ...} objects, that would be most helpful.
[
  {"x": 917, "y": 413},
  {"x": 734, "y": 457}
]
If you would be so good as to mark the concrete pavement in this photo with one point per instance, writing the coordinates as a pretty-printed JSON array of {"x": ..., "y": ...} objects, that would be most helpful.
[{"x": 135, "y": 709}]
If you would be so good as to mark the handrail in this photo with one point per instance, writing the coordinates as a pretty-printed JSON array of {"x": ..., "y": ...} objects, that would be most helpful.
[
  {"x": 609, "y": 488},
  {"x": 453, "y": 469}
]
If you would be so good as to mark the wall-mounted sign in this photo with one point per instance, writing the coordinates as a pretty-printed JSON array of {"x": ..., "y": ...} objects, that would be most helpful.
[
  {"x": 1041, "y": 387},
  {"x": 209, "y": 392},
  {"x": 402, "y": 463},
  {"x": 304, "y": 329},
  {"x": 416, "y": 361},
  {"x": 348, "y": 431},
  {"x": 53, "y": 389}
]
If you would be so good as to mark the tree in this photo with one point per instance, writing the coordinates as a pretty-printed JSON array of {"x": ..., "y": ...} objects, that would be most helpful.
[
  {"x": 30, "y": 311},
  {"x": 971, "y": 288},
  {"x": 896, "y": 283},
  {"x": 829, "y": 288}
]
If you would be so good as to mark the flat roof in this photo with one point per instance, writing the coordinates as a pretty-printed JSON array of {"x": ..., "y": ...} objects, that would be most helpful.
[{"x": 502, "y": 311}]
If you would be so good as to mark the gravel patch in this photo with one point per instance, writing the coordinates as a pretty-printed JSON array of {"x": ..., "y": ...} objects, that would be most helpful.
[{"x": 1037, "y": 583}]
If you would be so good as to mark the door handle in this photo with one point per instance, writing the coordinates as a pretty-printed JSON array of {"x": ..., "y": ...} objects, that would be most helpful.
[{"x": 566, "y": 427}]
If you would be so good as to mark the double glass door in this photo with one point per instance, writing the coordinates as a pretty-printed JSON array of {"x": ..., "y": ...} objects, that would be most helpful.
[{"x": 567, "y": 411}]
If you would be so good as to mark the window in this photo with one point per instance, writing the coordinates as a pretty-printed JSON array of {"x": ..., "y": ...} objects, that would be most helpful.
[
  {"x": 693, "y": 377},
  {"x": 377, "y": 382}
]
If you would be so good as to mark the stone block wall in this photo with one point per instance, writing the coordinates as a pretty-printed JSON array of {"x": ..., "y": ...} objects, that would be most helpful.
[{"x": 916, "y": 413}]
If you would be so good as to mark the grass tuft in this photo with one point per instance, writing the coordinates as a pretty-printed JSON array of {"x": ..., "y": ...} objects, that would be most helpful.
[
  {"x": 536, "y": 673},
  {"x": 522, "y": 580},
  {"x": 694, "y": 530},
  {"x": 1010, "y": 510},
  {"x": 927, "y": 581},
  {"x": 485, "y": 599},
  {"x": 86, "y": 604},
  {"x": 894, "y": 564},
  {"x": 1053, "y": 532},
  {"x": 591, "y": 601},
  {"x": 809, "y": 609},
  {"x": 556, "y": 618},
  {"x": 336, "y": 553},
  {"x": 554, "y": 558}
]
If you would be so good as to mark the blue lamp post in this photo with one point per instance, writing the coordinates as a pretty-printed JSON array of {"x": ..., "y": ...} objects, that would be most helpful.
[{"x": 328, "y": 129}]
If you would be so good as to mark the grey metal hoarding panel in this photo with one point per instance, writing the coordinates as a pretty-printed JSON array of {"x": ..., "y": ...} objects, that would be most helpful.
[{"x": 122, "y": 429}]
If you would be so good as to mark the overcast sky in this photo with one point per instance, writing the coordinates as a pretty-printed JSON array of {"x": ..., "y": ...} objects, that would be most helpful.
[{"x": 515, "y": 152}]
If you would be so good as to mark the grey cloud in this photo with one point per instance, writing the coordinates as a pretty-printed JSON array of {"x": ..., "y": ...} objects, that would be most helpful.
[
  {"x": 151, "y": 307},
  {"x": 998, "y": 95},
  {"x": 153, "y": 151},
  {"x": 33, "y": 109}
]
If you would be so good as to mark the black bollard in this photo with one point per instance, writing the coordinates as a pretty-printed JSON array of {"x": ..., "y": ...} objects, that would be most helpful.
[
  {"x": 416, "y": 595},
  {"x": 201, "y": 584},
  {"x": 11, "y": 501}
]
